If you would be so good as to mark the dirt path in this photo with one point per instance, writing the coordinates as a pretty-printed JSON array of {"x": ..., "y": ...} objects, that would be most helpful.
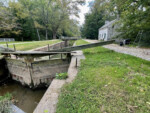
[{"x": 138, "y": 52}]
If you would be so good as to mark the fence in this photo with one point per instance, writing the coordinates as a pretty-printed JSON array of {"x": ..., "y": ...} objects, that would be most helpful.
[{"x": 7, "y": 39}]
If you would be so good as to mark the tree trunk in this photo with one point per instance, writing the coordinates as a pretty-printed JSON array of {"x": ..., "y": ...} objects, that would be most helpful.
[
  {"x": 22, "y": 39},
  {"x": 38, "y": 34},
  {"x": 46, "y": 34},
  {"x": 54, "y": 35}
]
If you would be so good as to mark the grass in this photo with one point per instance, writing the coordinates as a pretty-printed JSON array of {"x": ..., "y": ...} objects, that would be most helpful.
[
  {"x": 108, "y": 82},
  {"x": 32, "y": 45},
  {"x": 10, "y": 42},
  {"x": 5, "y": 102},
  {"x": 20, "y": 42},
  {"x": 61, "y": 75}
]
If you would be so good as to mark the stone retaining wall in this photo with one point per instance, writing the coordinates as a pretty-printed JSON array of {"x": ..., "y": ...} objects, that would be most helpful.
[
  {"x": 4, "y": 73},
  {"x": 51, "y": 47},
  {"x": 37, "y": 73}
]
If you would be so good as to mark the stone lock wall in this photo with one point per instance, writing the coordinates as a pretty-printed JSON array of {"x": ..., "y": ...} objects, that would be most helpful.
[
  {"x": 38, "y": 73},
  {"x": 51, "y": 47},
  {"x": 4, "y": 73}
]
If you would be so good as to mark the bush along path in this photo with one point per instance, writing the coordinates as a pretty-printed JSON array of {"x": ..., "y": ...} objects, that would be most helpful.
[{"x": 108, "y": 82}]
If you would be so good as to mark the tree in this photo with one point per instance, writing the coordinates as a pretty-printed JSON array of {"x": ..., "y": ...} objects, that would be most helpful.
[
  {"x": 133, "y": 16},
  {"x": 93, "y": 21},
  {"x": 71, "y": 28},
  {"x": 43, "y": 18},
  {"x": 8, "y": 25},
  {"x": 60, "y": 14}
]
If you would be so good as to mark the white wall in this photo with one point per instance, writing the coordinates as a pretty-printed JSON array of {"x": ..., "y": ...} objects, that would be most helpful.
[{"x": 103, "y": 34}]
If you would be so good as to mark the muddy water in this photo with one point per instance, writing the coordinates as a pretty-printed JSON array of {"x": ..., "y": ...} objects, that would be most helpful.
[{"x": 27, "y": 98}]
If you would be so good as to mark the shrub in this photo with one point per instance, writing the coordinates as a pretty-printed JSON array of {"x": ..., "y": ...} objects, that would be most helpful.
[
  {"x": 5, "y": 103},
  {"x": 61, "y": 75}
]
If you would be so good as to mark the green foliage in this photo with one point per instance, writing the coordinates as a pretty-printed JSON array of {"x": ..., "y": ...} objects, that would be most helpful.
[
  {"x": 5, "y": 103},
  {"x": 93, "y": 21},
  {"x": 108, "y": 82},
  {"x": 38, "y": 19},
  {"x": 133, "y": 16},
  {"x": 61, "y": 75},
  {"x": 71, "y": 29},
  {"x": 8, "y": 25}
]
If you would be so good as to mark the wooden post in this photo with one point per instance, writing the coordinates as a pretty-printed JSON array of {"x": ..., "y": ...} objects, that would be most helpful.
[
  {"x": 7, "y": 45},
  {"x": 14, "y": 47},
  {"x": 15, "y": 50},
  {"x": 48, "y": 50},
  {"x": 61, "y": 48},
  {"x": 76, "y": 62},
  {"x": 66, "y": 43}
]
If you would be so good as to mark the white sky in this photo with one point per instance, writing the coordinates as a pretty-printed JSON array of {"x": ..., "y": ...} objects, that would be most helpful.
[{"x": 84, "y": 9}]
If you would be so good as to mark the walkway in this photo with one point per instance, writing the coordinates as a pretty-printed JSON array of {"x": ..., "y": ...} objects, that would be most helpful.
[{"x": 138, "y": 52}]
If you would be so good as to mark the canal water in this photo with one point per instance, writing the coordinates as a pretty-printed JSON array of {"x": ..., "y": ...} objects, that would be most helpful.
[{"x": 26, "y": 98}]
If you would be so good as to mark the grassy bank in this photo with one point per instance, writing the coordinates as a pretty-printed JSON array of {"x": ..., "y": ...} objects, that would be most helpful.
[
  {"x": 32, "y": 45},
  {"x": 5, "y": 102},
  {"x": 10, "y": 42},
  {"x": 108, "y": 82}
]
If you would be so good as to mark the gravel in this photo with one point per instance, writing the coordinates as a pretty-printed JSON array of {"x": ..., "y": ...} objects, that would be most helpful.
[{"x": 134, "y": 51}]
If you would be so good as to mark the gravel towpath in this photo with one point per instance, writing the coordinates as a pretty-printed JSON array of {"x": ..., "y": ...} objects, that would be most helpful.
[{"x": 138, "y": 52}]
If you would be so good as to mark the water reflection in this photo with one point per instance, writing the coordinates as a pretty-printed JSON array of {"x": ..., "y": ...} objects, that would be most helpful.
[{"x": 26, "y": 99}]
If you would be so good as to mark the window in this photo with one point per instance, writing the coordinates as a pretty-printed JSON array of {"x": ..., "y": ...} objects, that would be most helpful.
[{"x": 104, "y": 35}]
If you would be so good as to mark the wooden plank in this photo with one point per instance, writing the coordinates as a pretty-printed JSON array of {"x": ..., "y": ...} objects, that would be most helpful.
[
  {"x": 74, "y": 48},
  {"x": 69, "y": 39},
  {"x": 66, "y": 50},
  {"x": 34, "y": 53}
]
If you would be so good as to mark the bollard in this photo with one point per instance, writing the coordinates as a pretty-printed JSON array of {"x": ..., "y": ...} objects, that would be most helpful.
[
  {"x": 48, "y": 50},
  {"x": 61, "y": 48},
  {"x": 76, "y": 62},
  {"x": 14, "y": 47},
  {"x": 7, "y": 45}
]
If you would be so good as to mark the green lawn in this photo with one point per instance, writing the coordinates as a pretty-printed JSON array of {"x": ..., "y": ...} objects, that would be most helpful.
[
  {"x": 21, "y": 42},
  {"x": 33, "y": 45},
  {"x": 10, "y": 42},
  {"x": 108, "y": 82}
]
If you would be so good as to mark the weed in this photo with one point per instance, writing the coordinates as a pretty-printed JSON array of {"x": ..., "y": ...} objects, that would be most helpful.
[{"x": 61, "y": 75}]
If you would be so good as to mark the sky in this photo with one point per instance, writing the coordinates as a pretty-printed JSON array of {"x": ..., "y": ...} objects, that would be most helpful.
[{"x": 84, "y": 9}]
